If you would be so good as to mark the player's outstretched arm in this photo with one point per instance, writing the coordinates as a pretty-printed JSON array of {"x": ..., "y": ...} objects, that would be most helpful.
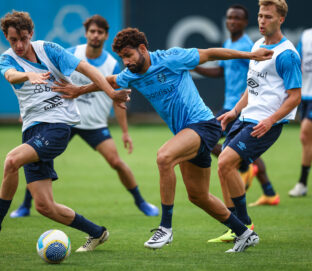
[
  {"x": 90, "y": 71},
  {"x": 15, "y": 77},
  {"x": 214, "y": 72},
  {"x": 293, "y": 100},
  {"x": 224, "y": 54}
]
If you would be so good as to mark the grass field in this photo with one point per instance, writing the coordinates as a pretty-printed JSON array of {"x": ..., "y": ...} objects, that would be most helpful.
[{"x": 91, "y": 188}]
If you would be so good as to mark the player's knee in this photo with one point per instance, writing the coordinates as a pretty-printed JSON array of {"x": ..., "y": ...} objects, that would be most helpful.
[
  {"x": 196, "y": 198},
  {"x": 163, "y": 159},
  {"x": 116, "y": 163},
  {"x": 11, "y": 163},
  {"x": 223, "y": 165},
  {"x": 44, "y": 207},
  {"x": 305, "y": 138}
]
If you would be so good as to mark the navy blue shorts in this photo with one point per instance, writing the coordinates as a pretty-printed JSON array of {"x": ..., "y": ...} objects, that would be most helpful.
[
  {"x": 250, "y": 148},
  {"x": 92, "y": 137},
  {"x": 306, "y": 110},
  {"x": 210, "y": 133},
  {"x": 49, "y": 140},
  {"x": 229, "y": 126}
]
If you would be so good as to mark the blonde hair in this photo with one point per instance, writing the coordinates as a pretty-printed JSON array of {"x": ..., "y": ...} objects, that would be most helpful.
[{"x": 281, "y": 5}]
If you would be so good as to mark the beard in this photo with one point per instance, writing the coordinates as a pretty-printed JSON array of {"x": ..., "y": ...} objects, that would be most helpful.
[
  {"x": 95, "y": 45},
  {"x": 138, "y": 67}
]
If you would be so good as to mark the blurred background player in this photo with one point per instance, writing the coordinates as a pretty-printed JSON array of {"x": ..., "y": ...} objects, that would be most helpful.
[
  {"x": 235, "y": 75},
  {"x": 94, "y": 110},
  {"x": 305, "y": 50},
  {"x": 32, "y": 68},
  {"x": 270, "y": 100},
  {"x": 163, "y": 78}
]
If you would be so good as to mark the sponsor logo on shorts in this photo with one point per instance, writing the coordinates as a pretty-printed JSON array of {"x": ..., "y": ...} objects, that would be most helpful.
[
  {"x": 241, "y": 145},
  {"x": 53, "y": 102}
]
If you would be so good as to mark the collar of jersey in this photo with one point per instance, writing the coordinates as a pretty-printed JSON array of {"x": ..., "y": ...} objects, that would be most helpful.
[
  {"x": 271, "y": 46},
  {"x": 41, "y": 66}
]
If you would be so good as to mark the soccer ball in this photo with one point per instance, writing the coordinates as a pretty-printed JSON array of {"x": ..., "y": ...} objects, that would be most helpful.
[{"x": 53, "y": 246}]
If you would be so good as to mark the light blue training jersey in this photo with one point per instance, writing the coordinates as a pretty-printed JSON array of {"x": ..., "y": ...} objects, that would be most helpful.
[
  {"x": 235, "y": 71},
  {"x": 169, "y": 87}
]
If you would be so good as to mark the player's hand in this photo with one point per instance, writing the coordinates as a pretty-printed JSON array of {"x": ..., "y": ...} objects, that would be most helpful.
[
  {"x": 262, "y": 127},
  {"x": 68, "y": 91},
  {"x": 121, "y": 96},
  {"x": 226, "y": 118},
  {"x": 127, "y": 142},
  {"x": 38, "y": 78},
  {"x": 262, "y": 54}
]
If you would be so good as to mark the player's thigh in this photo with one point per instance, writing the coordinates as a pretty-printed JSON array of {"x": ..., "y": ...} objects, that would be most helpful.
[
  {"x": 195, "y": 178},
  {"x": 108, "y": 150},
  {"x": 229, "y": 157},
  {"x": 183, "y": 146},
  {"x": 23, "y": 154}
]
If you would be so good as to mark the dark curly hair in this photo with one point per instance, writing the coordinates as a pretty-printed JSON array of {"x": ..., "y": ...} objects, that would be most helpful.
[
  {"x": 20, "y": 20},
  {"x": 129, "y": 37},
  {"x": 98, "y": 20}
]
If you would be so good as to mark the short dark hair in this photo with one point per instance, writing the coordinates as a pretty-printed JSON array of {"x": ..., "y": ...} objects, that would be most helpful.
[
  {"x": 243, "y": 8},
  {"x": 98, "y": 20},
  {"x": 129, "y": 37},
  {"x": 20, "y": 20}
]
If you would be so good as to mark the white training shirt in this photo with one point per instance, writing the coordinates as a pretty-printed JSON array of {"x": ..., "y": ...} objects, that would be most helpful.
[
  {"x": 306, "y": 66},
  {"x": 266, "y": 87},
  {"x": 96, "y": 106},
  {"x": 36, "y": 101}
]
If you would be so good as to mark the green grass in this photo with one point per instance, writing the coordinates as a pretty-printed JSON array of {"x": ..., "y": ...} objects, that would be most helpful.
[{"x": 90, "y": 187}]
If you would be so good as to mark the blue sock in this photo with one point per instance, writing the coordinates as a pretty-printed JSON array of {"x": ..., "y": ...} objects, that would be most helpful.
[
  {"x": 166, "y": 217},
  {"x": 235, "y": 225},
  {"x": 137, "y": 195},
  {"x": 232, "y": 210},
  {"x": 241, "y": 209},
  {"x": 268, "y": 189},
  {"x": 4, "y": 207},
  {"x": 85, "y": 225},
  {"x": 27, "y": 199}
]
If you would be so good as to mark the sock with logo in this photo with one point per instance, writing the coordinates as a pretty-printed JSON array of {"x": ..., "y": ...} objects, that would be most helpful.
[
  {"x": 166, "y": 218},
  {"x": 241, "y": 209}
]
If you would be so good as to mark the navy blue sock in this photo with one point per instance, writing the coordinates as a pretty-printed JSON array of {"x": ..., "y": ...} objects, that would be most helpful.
[
  {"x": 241, "y": 209},
  {"x": 235, "y": 225},
  {"x": 232, "y": 210},
  {"x": 4, "y": 207},
  {"x": 137, "y": 195},
  {"x": 27, "y": 199},
  {"x": 304, "y": 175},
  {"x": 268, "y": 189},
  {"x": 85, "y": 225},
  {"x": 166, "y": 217}
]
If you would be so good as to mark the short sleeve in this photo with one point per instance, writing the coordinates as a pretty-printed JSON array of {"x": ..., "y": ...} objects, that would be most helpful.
[
  {"x": 63, "y": 60},
  {"x": 288, "y": 66},
  {"x": 7, "y": 62},
  {"x": 72, "y": 50},
  {"x": 123, "y": 79},
  {"x": 182, "y": 59}
]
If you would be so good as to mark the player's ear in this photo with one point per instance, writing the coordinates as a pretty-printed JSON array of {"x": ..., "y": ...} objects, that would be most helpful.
[
  {"x": 282, "y": 19},
  {"x": 142, "y": 48},
  {"x": 31, "y": 34}
]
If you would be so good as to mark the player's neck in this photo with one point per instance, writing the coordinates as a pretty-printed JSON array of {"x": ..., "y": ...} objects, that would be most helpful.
[
  {"x": 93, "y": 53},
  {"x": 273, "y": 39},
  {"x": 31, "y": 55},
  {"x": 147, "y": 63},
  {"x": 236, "y": 36}
]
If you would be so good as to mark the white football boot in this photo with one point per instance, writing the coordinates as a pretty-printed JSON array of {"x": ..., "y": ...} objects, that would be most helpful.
[
  {"x": 161, "y": 237},
  {"x": 92, "y": 242},
  {"x": 299, "y": 190},
  {"x": 242, "y": 242}
]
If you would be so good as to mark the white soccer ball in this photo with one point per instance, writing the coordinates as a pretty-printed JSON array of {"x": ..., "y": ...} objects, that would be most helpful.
[{"x": 53, "y": 246}]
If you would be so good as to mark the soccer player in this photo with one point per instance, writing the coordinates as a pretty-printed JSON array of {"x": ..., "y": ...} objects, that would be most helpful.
[
  {"x": 94, "y": 109},
  {"x": 304, "y": 48},
  {"x": 32, "y": 68},
  {"x": 163, "y": 77},
  {"x": 270, "y": 100},
  {"x": 234, "y": 72}
]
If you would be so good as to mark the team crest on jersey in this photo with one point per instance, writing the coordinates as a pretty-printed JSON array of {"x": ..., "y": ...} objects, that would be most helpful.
[
  {"x": 252, "y": 83},
  {"x": 161, "y": 77}
]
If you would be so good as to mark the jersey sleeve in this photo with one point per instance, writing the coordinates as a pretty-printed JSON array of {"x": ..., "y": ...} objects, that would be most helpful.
[
  {"x": 179, "y": 59},
  {"x": 7, "y": 62},
  {"x": 288, "y": 66},
  {"x": 123, "y": 79},
  {"x": 63, "y": 60}
]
